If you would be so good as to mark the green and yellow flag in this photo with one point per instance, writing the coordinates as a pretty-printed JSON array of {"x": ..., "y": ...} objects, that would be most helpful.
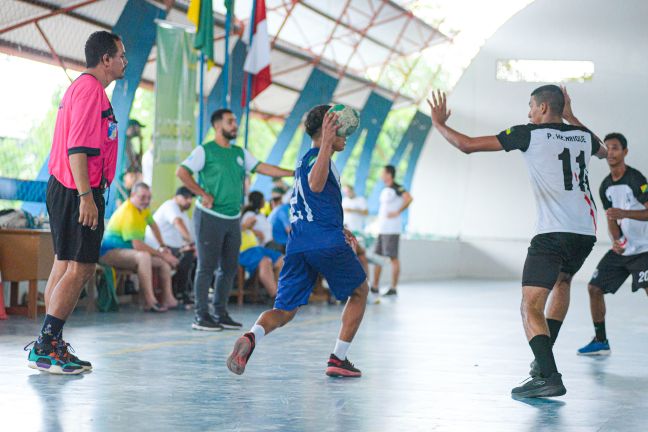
[{"x": 201, "y": 13}]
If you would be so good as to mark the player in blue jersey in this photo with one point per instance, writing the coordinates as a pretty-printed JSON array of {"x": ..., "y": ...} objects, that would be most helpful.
[{"x": 318, "y": 243}]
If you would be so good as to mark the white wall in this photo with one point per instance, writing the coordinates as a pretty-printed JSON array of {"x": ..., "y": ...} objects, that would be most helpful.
[
  {"x": 475, "y": 258},
  {"x": 487, "y": 197}
]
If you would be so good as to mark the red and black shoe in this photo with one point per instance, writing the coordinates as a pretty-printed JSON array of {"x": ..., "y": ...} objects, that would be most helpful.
[
  {"x": 342, "y": 368},
  {"x": 243, "y": 349}
]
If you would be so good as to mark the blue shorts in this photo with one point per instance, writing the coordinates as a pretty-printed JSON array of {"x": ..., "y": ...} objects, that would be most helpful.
[
  {"x": 339, "y": 266},
  {"x": 250, "y": 258}
]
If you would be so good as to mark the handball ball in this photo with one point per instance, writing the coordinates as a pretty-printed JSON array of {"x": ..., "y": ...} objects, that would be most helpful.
[{"x": 348, "y": 118}]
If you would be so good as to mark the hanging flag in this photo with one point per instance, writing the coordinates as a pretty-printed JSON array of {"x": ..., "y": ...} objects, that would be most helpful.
[
  {"x": 257, "y": 62},
  {"x": 201, "y": 13}
]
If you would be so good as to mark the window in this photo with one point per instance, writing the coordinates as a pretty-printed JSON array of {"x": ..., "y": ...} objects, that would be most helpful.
[{"x": 545, "y": 70}]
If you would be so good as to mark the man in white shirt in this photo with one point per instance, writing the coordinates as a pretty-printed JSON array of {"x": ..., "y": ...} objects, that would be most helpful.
[
  {"x": 394, "y": 199},
  {"x": 355, "y": 210},
  {"x": 557, "y": 157},
  {"x": 171, "y": 217}
]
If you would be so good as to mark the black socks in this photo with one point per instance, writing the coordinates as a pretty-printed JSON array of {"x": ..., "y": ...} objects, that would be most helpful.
[
  {"x": 52, "y": 328},
  {"x": 554, "y": 328},
  {"x": 541, "y": 347},
  {"x": 599, "y": 328}
]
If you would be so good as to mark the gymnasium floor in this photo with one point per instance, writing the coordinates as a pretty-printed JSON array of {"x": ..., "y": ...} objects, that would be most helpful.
[{"x": 443, "y": 356}]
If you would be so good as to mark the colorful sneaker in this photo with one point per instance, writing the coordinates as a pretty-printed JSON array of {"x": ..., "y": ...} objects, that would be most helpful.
[
  {"x": 51, "y": 358},
  {"x": 341, "y": 368},
  {"x": 535, "y": 387},
  {"x": 227, "y": 322},
  {"x": 595, "y": 348},
  {"x": 243, "y": 349},
  {"x": 67, "y": 350}
]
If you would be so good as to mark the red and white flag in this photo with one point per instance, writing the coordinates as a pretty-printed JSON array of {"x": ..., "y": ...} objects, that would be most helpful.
[{"x": 257, "y": 62}]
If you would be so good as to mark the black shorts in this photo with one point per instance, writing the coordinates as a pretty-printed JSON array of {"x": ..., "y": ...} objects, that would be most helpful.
[
  {"x": 614, "y": 269},
  {"x": 554, "y": 253},
  {"x": 73, "y": 241}
]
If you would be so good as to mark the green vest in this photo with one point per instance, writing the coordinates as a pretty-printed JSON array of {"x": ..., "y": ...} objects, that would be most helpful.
[{"x": 223, "y": 177}]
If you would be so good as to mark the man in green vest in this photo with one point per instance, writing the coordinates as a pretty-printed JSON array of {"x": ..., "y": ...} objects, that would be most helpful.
[{"x": 221, "y": 168}]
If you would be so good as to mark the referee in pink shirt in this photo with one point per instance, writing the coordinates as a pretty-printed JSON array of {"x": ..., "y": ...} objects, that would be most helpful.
[{"x": 81, "y": 166}]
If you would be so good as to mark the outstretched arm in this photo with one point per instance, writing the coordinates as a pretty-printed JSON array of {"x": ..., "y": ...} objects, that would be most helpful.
[
  {"x": 273, "y": 170},
  {"x": 464, "y": 143},
  {"x": 570, "y": 118}
]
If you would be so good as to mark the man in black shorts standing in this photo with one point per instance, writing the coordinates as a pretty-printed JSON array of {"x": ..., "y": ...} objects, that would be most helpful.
[
  {"x": 557, "y": 156},
  {"x": 624, "y": 194},
  {"x": 82, "y": 164}
]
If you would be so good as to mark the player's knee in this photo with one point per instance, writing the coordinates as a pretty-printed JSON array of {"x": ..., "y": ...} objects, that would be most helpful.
[
  {"x": 81, "y": 271},
  {"x": 362, "y": 291},
  {"x": 594, "y": 290}
]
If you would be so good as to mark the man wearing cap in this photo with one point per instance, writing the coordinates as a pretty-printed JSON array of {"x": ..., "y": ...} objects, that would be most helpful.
[
  {"x": 221, "y": 170},
  {"x": 175, "y": 229},
  {"x": 134, "y": 130}
]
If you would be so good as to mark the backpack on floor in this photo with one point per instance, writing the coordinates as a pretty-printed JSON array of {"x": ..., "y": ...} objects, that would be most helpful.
[{"x": 106, "y": 293}]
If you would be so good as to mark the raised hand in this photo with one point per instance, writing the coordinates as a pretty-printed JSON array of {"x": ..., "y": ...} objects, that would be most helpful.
[
  {"x": 329, "y": 131},
  {"x": 567, "y": 114},
  {"x": 438, "y": 108}
]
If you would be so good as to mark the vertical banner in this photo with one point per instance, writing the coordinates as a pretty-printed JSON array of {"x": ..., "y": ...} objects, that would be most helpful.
[{"x": 175, "y": 104}]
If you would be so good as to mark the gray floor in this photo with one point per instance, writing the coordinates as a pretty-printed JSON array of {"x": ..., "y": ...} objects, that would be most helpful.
[{"x": 443, "y": 356}]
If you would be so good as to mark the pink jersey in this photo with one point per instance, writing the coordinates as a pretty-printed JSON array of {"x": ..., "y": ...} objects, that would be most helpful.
[{"x": 85, "y": 123}]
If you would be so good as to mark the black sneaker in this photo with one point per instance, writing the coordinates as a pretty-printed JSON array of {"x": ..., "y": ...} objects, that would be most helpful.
[
  {"x": 341, "y": 368},
  {"x": 540, "y": 386},
  {"x": 375, "y": 290},
  {"x": 206, "y": 323},
  {"x": 535, "y": 369},
  {"x": 241, "y": 353},
  {"x": 227, "y": 322},
  {"x": 391, "y": 292}
]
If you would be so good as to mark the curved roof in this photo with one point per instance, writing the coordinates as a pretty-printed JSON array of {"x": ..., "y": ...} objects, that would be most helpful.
[{"x": 347, "y": 38}]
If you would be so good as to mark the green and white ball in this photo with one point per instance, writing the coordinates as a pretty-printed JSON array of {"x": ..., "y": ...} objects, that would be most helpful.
[{"x": 348, "y": 118}]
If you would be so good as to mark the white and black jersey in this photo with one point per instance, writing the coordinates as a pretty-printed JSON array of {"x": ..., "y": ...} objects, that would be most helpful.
[
  {"x": 628, "y": 193},
  {"x": 557, "y": 156}
]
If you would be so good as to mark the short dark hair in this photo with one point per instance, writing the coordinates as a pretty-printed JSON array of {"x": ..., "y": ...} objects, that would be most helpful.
[
  {"x": 139, "y": 185},
  {"x": 315, "y": 118},
  {"x": 255, "y": 202},
  {"x": 98, "y": 44},
  {"x": 618, "y": 136},
  {"x": 552, "y": 95},
  {"x": 185, "y": 192},
  {"x": 218, "y": 115},
  {"x": 391, "y": 170}
]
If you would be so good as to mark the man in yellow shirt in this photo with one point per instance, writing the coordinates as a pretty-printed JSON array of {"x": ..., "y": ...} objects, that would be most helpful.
[{"x": 123, "y": 247}]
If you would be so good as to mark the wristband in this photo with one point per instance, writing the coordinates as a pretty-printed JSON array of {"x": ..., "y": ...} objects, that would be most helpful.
[{"x": 84, "y": 193}]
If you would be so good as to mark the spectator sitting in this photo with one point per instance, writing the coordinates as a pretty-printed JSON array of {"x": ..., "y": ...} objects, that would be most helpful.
[
  {"x": 355, "y": 212},
  {"x": 123, "y": 247},
  {"x": 255, "y": 220},
  {"x": 280, "y": 220},
  {"x": 171, "y": 217},
  {"x": 255, "y": 258}
]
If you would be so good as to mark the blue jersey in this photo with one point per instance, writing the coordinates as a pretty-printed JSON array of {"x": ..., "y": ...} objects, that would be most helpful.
[
  {"x": 280, "y": 220},
  {"x": 316, "y": 219}
]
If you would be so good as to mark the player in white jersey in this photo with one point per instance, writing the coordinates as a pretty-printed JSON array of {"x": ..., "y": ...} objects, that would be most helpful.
[
  {"x": 624, "y": 194},
  {"x": 557, "y": 156}
]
